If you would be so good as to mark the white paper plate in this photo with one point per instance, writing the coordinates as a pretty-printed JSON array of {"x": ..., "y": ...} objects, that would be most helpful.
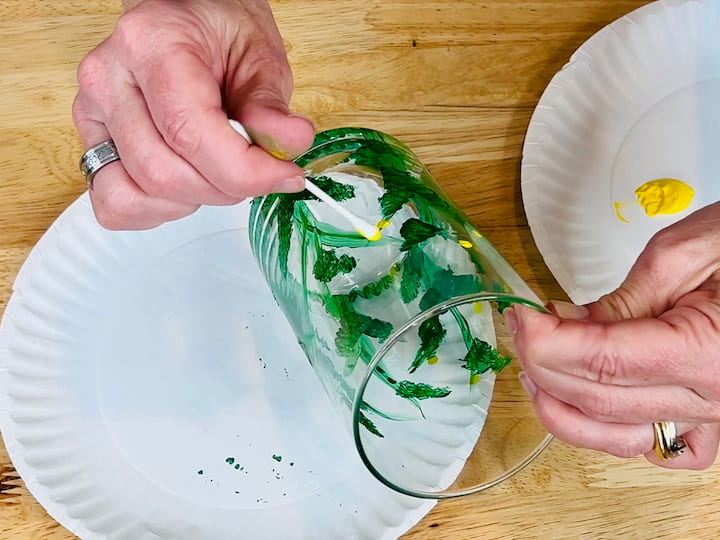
[
  {"x": 638, "y": 101},
  {"x": 130, "y": 362}
]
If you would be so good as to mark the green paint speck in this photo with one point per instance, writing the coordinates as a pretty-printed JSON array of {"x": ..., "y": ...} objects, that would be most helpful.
[
  {"x": 277, "y": 458},
  {"x": 200, "y": 471},
  {"x": 237, "y": 466},
  {"x": 230, "y": 460}
]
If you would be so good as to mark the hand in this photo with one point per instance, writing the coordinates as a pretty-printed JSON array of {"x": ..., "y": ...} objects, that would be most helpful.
[
  {"x": 601, "y": 374},
  {"x": 163, "y": 85}
]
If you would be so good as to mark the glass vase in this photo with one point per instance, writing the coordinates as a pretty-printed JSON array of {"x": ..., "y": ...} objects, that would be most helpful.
[{"x": 404, "y": 332}]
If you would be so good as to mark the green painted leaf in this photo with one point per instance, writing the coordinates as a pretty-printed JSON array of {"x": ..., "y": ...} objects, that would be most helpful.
[
  {"x": 337, "y": 190},
  {"x": 408, "y": 389},
  {"x": 483, "y": 357},
  {"x": 415, "y": 232},
  {"x": 432, "y": 334},
  {"x": 373, "y": 289},
  {"x": 447, "y": 285},
  {"x": 368, "y": 424},
  {"x": 328, "y": 265}
]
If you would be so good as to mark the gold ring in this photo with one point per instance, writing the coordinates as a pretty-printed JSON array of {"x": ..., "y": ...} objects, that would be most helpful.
[{"x": 667, "y": 443}]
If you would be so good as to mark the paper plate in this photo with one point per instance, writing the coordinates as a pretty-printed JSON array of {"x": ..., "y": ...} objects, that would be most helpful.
[
  {"x": 639, "y": 101},
  {"x": 151, "y": 388}
]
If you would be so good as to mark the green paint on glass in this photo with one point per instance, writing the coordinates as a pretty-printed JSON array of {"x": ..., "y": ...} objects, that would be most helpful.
[
  {"x": 277, "y": 458},
  {"x": 369, "y": 425},
  {"x": 408, "y": 389},
  {"x": 230, "y": 460},
  {"x": 431, "y": 333},
  {"x": 483, "y": 357},
  {"x": 328, "y": 265},
  {"x": 237, "y": 466},
  {"x": 415, "y": 232},
  {"x": 383, "y": 283},
  {"x": 201, "y": 471}
]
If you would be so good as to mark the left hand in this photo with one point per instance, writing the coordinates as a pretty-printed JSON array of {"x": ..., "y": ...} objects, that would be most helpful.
[{"x": 601, "y": 374}]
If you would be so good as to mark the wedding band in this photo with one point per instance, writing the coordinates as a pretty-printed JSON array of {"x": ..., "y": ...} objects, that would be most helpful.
[
  {"x": 667, "y": 443},
  {"x": 96, "y": 158}
]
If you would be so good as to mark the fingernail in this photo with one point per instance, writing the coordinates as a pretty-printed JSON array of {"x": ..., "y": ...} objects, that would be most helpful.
[
  {"x": 528, "y": 384},
  {"x": 290, "y": 185},
  {"x": 511, "y": 320},
  {"x": 566, "y": 310}
]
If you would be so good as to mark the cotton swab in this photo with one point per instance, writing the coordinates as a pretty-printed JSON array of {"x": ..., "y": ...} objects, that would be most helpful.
[{"x": 371, "y": 232}]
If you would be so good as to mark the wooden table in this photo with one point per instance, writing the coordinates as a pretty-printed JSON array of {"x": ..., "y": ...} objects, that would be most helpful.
[{"x": 456, "y": 80}]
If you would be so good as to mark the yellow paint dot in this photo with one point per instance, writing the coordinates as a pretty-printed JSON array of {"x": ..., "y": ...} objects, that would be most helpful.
[
  {"x": 478, "y": 307},
  {"x": 383, "y": 223},
  {"x": 465, "y": 244},
  {"x": 433, "y": 360},
  {"x": 664, "y": 196},
  {"x": 474, "y": 378}
]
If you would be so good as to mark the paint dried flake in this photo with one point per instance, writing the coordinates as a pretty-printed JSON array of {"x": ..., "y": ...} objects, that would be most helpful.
[{"x": 277, "y": 458}]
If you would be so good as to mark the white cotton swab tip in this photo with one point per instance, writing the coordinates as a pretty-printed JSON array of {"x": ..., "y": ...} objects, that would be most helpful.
[
  {"x": 365, "y": 229},
  {"x": 371, "y": 232}
]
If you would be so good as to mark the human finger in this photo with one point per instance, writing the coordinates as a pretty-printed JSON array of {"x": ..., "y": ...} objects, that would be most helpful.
[
  {"x": 572, "y": 426},
  {"x": 186, "y": 106},
  {"x": 118, "y": 202},
  {"x": 260, "y": 104},
  {"x": 158, "y": 170},
  {"x": 609, "y": 353},
  {"x": 625, "y": 404},
  {"x": 700, "y": 452}
]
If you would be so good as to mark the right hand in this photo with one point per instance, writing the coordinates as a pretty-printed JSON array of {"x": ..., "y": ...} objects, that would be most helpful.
[{"x": 163, "y": 86}]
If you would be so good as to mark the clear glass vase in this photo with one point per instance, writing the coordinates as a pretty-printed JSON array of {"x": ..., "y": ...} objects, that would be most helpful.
[{"x": 404, "y": 332}]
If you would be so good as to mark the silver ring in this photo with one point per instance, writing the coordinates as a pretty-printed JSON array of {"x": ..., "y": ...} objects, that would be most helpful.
[
  {"x": 668, "y": 444},
  {"x": 96, "y": 158}
]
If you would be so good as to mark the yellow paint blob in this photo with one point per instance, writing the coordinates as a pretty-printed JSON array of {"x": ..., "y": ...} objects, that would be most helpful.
[
  {"x": 474, "y": 378},
  {"x": 383, "y": 223},
  {"x": 664, "y": 196},
  {"x": 477, "y": 307},
  {"x": 433, "y": 360},
  {"x": 465, "y": 244},
  {"x": 661, "y": 196}
]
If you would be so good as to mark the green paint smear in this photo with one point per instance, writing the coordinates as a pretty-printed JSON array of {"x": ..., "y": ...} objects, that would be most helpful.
[
  {"x": 277, "y": 458},
  {"x": 230, "y": 460},
  {"x": 408, "y": 389},
  {"x": 483, "y": 357}
]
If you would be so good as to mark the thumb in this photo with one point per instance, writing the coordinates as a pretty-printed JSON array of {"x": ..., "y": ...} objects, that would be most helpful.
[
  {"x": 676, "y": 261},
  {"x": 261, "y": 107}
]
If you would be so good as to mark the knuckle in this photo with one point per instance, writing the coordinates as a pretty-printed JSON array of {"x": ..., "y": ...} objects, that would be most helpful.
[
  {"x": 157, "y": 182},
  {"x": 178, "y": 132},
  {"x": 603, "y": 367},
  {"x": 116, "y": 213},
  {"x": 129, "y": 31},
  {"x": 92, "y": 72}
]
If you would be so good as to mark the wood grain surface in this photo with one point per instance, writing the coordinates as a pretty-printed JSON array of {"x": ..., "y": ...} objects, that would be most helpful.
[{"x": 457, "y": 80}]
